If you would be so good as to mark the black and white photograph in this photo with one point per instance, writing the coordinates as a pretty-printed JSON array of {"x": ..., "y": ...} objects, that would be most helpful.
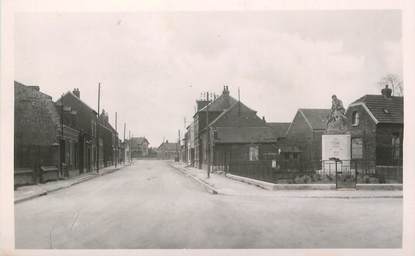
[{"x": 208, "y": 129}]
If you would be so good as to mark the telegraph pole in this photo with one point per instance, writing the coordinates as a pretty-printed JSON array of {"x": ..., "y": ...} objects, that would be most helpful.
[
  {"x": 239, "y": 102},
  {"x": 180, "y": 148},
  {"x": 97, "y": 151},
  {"x": 124, "y": 144},
  {"x": 62, "y": 142},
  {"x": 129, "y": 144},
  {"x": 208, "y": 138},
  {"x": 116, "y": 141}
]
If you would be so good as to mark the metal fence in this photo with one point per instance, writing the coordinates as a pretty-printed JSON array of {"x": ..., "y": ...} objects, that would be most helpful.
[
  {"x": 345, "y": 173},
  {"x": 273, "y": 171}
]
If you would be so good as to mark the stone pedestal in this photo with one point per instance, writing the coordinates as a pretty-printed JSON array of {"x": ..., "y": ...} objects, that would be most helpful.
[{"x": 335, "y": 146}]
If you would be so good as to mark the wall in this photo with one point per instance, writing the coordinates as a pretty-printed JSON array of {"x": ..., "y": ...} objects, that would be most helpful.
[
  {"x": 384, "y": 150},
  {"x": 366, "y": 129},
  {"x": 301, "y": 135}
]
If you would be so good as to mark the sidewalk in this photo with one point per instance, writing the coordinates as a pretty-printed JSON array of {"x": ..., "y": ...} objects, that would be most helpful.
[
  {"x": 220, "y": 184},
  {"x": 25, "y": 193}
]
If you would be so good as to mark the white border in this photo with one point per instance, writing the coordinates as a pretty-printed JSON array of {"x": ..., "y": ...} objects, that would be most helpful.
[{"x": 9, "y": 7}]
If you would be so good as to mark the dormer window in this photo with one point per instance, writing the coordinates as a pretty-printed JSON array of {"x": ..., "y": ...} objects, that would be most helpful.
[{"x": 355, "y": 118}]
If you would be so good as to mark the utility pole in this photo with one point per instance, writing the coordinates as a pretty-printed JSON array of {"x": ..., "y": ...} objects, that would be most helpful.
[
  {"x": 116, "y": 141},
  {"x": 62, "y": 142},
  {"x": 124, "y": 144},
  {"x": 208, "y": 138},
  {"x": 97, "y": 139},
  {"x": 129, "y": 144},
  {"x": 239, "y": 102},
  {"x": 180, "y": 148}
]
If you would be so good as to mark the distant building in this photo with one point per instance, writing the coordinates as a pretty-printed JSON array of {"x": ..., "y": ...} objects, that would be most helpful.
[
  {"x": 190, "y": 144},
  {"x": 168, "y": 151},
  {"x": 139, "y": 147},
  {"x": 108, "y": 141},
  {"x": 376, "y": 128},
  {"x": 125, "y": 152}
]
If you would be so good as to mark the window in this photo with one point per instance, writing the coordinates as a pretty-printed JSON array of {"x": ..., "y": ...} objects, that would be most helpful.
[
  {"x": 396, "y": 146},
  {"x": 355, "y": 118},
  {"x": 253, "y": 153}
]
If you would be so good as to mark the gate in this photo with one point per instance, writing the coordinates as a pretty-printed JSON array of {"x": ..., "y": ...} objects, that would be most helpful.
[{"x": 345, "y": 174}]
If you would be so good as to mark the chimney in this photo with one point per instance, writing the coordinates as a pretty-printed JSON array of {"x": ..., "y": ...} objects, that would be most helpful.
[
  {"x": 386, "y": 92},
  {"x": 76, "y": 92},
  {"x": 263, "y": 119}
]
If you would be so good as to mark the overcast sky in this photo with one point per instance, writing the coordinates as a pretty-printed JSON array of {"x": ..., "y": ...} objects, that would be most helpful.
[{"x": 153, "y": 66}]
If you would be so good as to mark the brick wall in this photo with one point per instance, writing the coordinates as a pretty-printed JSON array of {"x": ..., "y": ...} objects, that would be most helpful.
[
  {"x": 384, "y": 149},
  {"x": 366, "y": 130},
  {"x": 301, "y": 135}
]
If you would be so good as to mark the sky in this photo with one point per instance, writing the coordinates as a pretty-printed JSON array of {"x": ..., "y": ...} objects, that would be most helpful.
[{"x": 153, "y": 66}]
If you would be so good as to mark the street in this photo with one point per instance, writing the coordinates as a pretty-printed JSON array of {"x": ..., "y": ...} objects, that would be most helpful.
[{"x": 151, "y": 205}]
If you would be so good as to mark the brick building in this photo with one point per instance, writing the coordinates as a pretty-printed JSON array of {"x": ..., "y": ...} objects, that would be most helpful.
[
  {"x": 302, "y": 142},
  {"x": 376, "y": 128},
  {"x": 87, "y": 125},
  {"x": 168, "y": 151},
  {"x": 108, "y": 141},
  {"x": 235, "y": 133},
  {"x": 36, "y": 133},
  {"x": 139, "y": 147}
]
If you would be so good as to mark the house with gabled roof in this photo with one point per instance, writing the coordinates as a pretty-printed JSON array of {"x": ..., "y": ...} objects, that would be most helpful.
[
  {"x": 234, "y": 133},
  {"x": 168, "y": 150},
  {"x": 376, "y": 127},
  {"x": 303, "y": 137},
  {"x": 208, "y": 109},
  {"x": 91, "y": 126},
  {"x": 139, "y": 147},
  {"x": 87, "y": 119}
]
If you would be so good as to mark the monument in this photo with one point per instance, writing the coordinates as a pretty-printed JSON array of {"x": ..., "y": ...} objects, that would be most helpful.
[{"x": 336, "y": 148}]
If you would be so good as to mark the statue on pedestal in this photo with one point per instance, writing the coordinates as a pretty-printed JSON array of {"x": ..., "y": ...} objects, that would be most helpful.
[{"x": 336, "y": 120}]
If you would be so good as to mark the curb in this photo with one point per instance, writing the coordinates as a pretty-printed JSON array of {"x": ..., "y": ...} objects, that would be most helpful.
[
  {"x": 258, "y": 183},
  {"x": 45, "y": 192},
  {"x": 30, "y": 197},
  {"x": 111, "y": 171},
  {"x": 204, "y": 184},
  {"x": 276, "y": 187}
]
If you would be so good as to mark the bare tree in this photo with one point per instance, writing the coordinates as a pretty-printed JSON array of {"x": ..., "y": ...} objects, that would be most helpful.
[{"x": 395, "y": 83}]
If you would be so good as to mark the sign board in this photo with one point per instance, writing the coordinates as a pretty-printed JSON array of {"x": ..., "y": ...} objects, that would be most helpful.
[{"x": 337, "y": 146}]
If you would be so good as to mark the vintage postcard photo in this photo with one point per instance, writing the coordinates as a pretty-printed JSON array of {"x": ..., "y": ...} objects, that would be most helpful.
[{"x": 257, "y": 129}]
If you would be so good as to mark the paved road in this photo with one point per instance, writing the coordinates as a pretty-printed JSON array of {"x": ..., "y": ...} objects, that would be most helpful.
[{"x": 151, "y": 205}]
